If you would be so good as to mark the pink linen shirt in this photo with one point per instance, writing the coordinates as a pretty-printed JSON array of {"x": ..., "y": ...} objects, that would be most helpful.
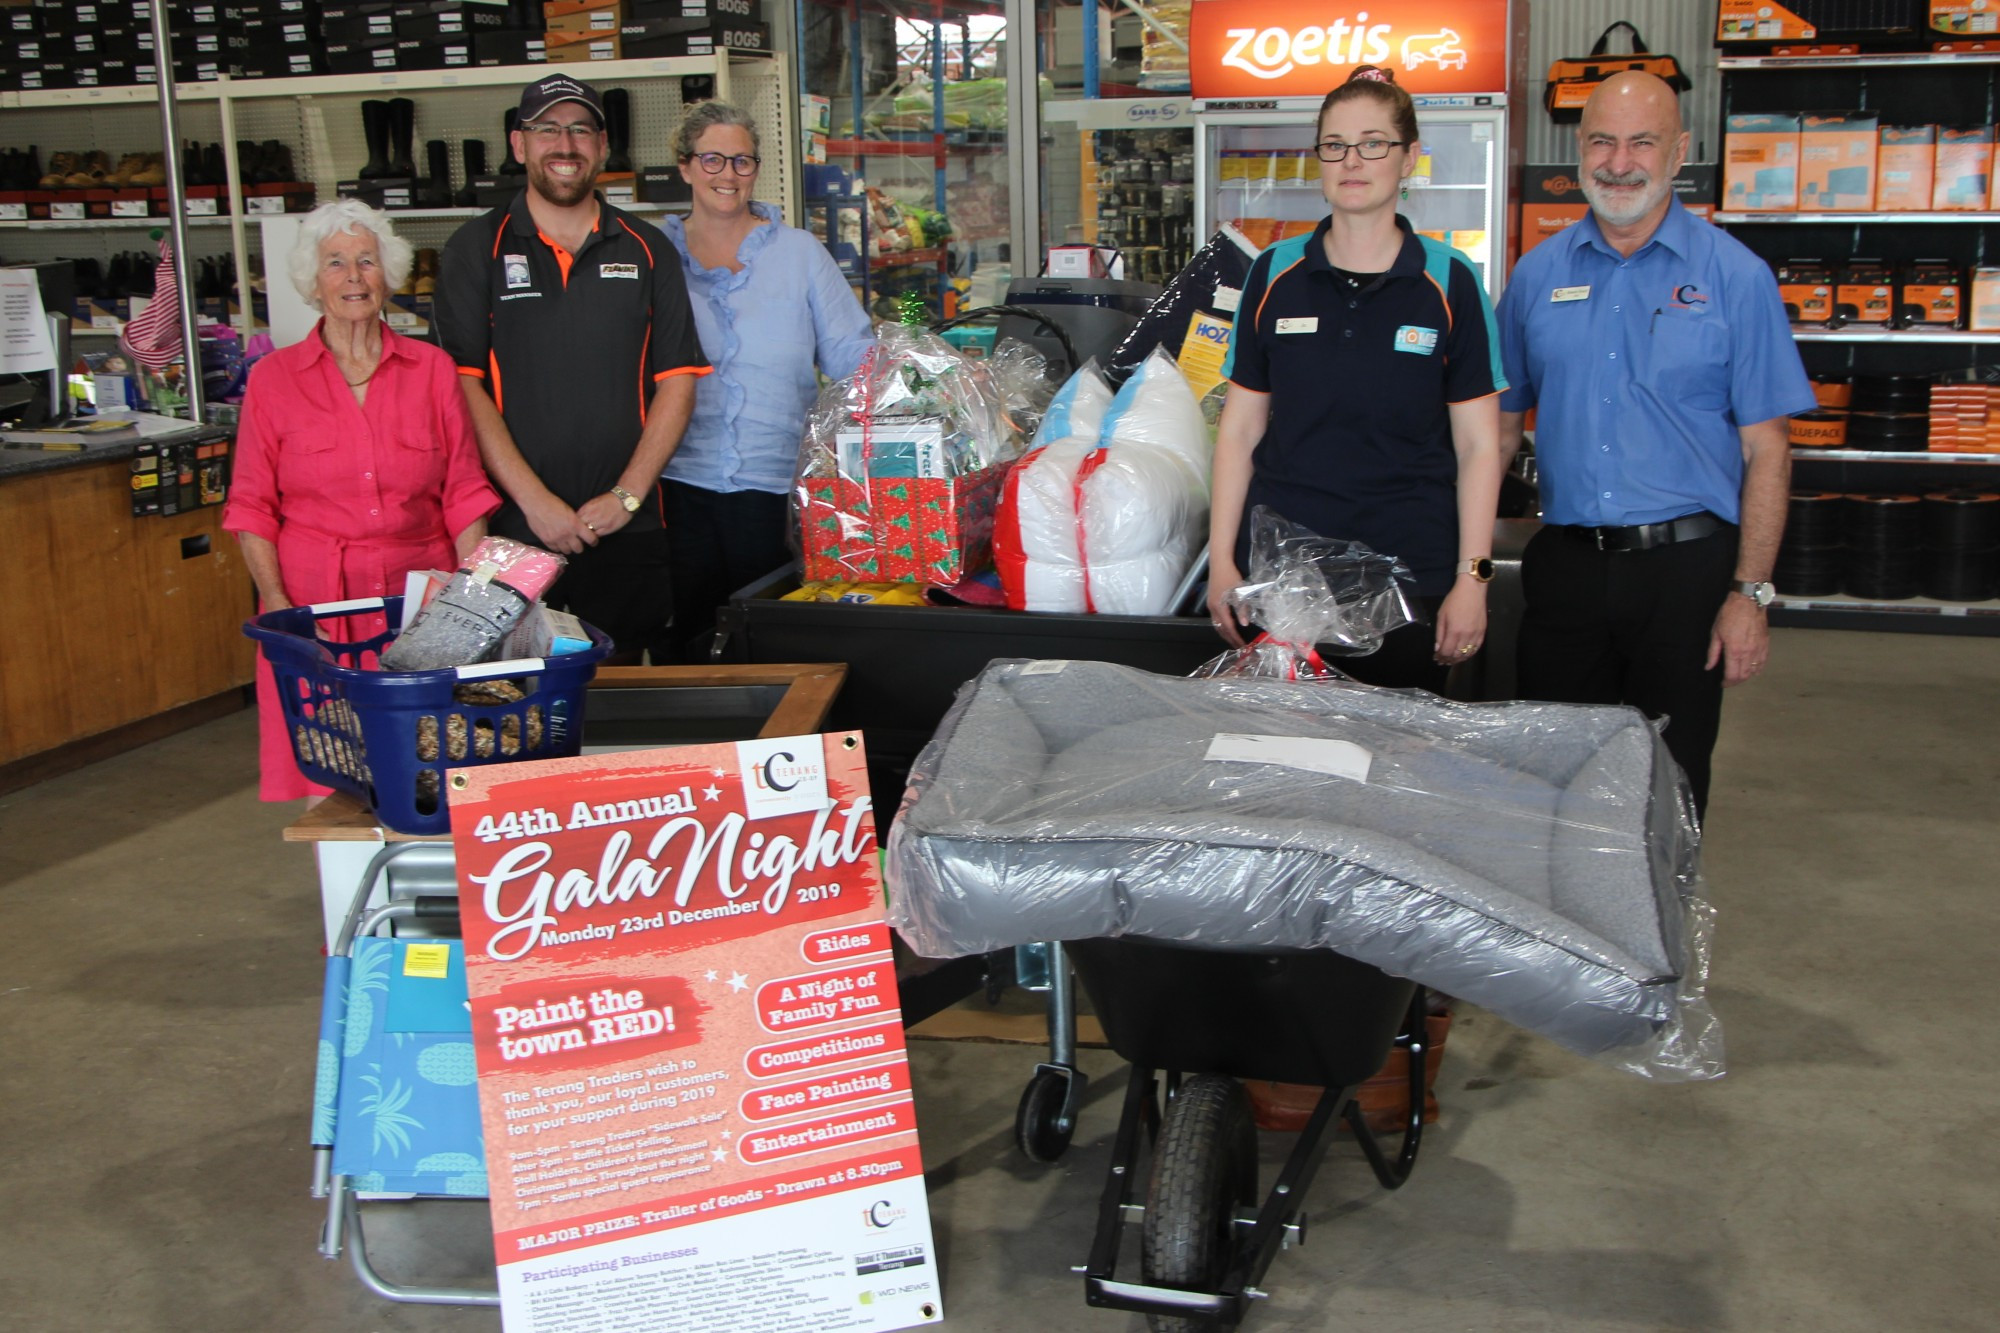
[{"x": 353, "y": 495}]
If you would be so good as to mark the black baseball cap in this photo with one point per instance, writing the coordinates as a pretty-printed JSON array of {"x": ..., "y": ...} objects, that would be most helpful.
[{"x": 539, "y": 96}]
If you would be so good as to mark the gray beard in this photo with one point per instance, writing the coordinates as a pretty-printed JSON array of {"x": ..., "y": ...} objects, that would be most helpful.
[{"x": 1647, "y": 202}]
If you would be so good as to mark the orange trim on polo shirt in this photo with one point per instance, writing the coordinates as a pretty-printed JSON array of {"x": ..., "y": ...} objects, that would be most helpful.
[
  {"x": 472, "y": 371},
  {"x": 563, "y": 257},
  {"x": 1258, "y": 318},
  {"x": 1448, "y": 320}
]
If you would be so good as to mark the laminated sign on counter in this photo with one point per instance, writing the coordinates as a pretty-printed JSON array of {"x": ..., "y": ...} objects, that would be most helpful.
[{"x": 692, "y": 1078}]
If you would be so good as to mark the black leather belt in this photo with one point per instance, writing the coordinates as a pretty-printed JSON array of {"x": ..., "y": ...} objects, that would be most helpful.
[{"x": 1645, "y": 536}]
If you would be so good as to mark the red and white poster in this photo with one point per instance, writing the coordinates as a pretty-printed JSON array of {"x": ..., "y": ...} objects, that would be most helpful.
[{"x": 692, "y": 1077}]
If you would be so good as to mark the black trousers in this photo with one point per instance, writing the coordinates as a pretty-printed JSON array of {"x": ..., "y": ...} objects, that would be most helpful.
[
  {"x": 619, "y": 585},
  {"x": 720, "y": 540},
  {"x": 1404, "y": 661},
  {"x": 1630, "y": 627}
]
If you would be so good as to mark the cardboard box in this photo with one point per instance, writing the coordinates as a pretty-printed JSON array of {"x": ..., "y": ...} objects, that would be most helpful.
[
  {"x": 1964, "y": 174},
  {"x": 1806, "y": 287},
  {"x": 372, "y": 22},
  {"x": 1760, "y": 156},
  {"x": 588, "y": 22},
  {"x": 508, "y": 48},
  {"x": 449, "y": 20},
  {"x": 566, "y": 48},
  {"x": 1864, "y": 293},
  {"x": 1905, "y": 164},
  {"x": 361, "y": 57},
  {"x": 1552, "y": 198},
  {"x": 1960, "y": 18},
  {"x": 1985, "y": 316},
  {"x": 1837, "y": 161},
  {"x": 1930, "y": 294}
]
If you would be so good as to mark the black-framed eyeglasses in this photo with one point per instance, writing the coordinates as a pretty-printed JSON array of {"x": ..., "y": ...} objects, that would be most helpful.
[
  {"x": 547, "y": 131},
  {"x": 743, "y": 164},
  {"x": 1371, "y": 150}
]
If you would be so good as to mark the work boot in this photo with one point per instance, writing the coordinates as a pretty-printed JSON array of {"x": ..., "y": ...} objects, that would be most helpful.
[
  {"x": 402, "y": 136},
  {"x": 474, "y": 151},
  {"x": 618, "y": 129},
  {"x": 436, "y": 191},
  {"x": 513, "y": 166},
  {"x": 375, "y": 128},
  {"x": 277, "y": 163}
]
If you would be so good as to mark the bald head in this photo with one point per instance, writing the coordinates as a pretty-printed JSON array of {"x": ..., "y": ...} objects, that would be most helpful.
[
  {"x": 1629, "y": 145},
  {"x": 1633, "y": 98}
]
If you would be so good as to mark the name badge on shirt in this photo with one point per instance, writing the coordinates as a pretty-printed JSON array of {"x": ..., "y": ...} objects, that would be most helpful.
[
  {"x": 517, "y": 272},
  {"x": 618, "y": 271},
  {"x": 1570, "y": 294},
  {"x": 1305, "y": 324}
]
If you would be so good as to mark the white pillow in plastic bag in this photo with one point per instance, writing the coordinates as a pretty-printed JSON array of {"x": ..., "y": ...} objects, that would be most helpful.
[
  {"x": 1034, "y": 534},
  {"x": 1143, "y": 500}
]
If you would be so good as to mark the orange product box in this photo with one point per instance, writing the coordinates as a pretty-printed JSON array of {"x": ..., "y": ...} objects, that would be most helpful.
[
  {"x": 1760, "y": 172},
  {"x": 1837, "y": 161},
  {"x": 1964, "y": 168},
  {"x": 565, "y": 47},
  {"x": 1985, "y": 301},
  {"x": 1806, "y": 287},
  {"x": 1864, "y": 293},
  {"x": 585, "y": 22},
  {"x": 1929, "y": 295},
  {"x": 1904, "y": 165},
  {"x": 1956, "y": 18},
  {"x": 1757, "y": 21}
]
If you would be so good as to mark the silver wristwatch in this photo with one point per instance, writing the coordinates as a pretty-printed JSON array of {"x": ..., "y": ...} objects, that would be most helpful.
[{"x": 1761, "y": 593}]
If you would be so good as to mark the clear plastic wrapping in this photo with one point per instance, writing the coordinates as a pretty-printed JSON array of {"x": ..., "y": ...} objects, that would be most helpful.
[
  {"x": 1035, "y": 543},
  {"x": 1539, "y": 860},
  {"x": 900, "y": 468},
  {"x": 466, "y": 622},
  {"x": 1313, "y": 595}
]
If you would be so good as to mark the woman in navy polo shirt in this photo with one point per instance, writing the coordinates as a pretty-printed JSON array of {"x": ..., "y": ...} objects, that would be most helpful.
[{"x": 1363, "y": 402}]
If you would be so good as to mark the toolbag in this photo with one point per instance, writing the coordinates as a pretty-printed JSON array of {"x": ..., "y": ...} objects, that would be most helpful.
[{"x": 1572, "y": 80}]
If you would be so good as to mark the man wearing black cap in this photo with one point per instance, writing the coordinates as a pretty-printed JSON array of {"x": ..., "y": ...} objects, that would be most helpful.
[{"x": 577, "y": 352}]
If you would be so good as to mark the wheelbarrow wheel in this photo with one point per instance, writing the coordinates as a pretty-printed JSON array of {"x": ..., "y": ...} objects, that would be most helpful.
[
  {"x": 1204, "y": 1167},
  {"x": 1040, "y": 1130}
]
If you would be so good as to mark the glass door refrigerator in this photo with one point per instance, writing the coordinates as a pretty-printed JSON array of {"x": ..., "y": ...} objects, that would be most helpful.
[{"x": 1255, "y": 169}]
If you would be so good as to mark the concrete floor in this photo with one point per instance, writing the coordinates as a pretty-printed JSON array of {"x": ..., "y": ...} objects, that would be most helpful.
[{"x": 160, "y": 972}]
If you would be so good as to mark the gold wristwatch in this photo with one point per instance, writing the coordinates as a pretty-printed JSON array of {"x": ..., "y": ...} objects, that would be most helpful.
[
  {"x": 626, "y": 498},
  {"x": 1479, "y": 566}
]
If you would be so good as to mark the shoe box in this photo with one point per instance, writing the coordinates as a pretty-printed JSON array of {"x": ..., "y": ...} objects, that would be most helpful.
[{"x": 669, "y": 28}]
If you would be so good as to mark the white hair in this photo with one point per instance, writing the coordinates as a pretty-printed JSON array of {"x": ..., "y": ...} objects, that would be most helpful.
[{"x": 347, "y": 216}]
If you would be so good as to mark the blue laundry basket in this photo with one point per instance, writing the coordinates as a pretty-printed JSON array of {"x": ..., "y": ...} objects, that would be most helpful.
[{"x": 389, "y": 737}]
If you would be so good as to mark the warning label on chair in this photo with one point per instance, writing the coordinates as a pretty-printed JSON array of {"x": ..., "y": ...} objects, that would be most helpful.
[{"x": 692, "y": 1078}]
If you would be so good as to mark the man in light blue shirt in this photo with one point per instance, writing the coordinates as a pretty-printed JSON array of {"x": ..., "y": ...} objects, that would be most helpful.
[{"x": 1657, "y": 356}]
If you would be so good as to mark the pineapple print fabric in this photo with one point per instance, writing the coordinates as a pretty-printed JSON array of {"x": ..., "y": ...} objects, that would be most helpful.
[{"x": 397, "y": 1087}]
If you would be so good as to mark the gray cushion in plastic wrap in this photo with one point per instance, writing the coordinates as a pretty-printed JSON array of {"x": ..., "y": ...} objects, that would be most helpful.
[{"x": 1531, "y": 858}]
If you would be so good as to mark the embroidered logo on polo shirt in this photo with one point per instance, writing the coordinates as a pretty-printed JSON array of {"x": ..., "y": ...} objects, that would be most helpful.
[
  {"x": 618, "y": 271},
  {"x": 517, "y": 271},
  {"x": 1413, "y": 338}
]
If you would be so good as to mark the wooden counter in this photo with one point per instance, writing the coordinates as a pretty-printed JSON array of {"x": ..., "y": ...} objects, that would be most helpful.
[{"x": 118, "y": 629}]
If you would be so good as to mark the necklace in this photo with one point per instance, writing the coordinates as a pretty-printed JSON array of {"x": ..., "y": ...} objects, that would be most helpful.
[{"x": 355, "y": 384}]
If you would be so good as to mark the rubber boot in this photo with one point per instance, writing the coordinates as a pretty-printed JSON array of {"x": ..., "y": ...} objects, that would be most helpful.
[
  {"x": 436, "y": 191},
  {"x": 375, "y": 127},
  {"x": 513, "y": 165},
  {"x": 402, "y": 136},
  {"x": 213, "y": 165},
  {"x": 618, "y": 129},
  {"x": 474, "y": 151}
]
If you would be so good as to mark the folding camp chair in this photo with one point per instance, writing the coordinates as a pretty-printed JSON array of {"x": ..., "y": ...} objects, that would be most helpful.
[{"x": 396, "y": 1098}]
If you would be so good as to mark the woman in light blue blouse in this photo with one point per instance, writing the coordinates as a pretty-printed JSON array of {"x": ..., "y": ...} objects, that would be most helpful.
[{"x": 771, "y": 306}]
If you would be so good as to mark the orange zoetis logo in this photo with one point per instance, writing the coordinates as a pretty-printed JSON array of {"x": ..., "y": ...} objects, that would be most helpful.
[{"x": 1300, "y": 48}]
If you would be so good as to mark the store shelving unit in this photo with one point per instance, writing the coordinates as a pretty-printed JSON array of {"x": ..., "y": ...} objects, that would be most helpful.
[
  {"x": 1905, "y": 88},
  {"x": 318, "y": 117}
]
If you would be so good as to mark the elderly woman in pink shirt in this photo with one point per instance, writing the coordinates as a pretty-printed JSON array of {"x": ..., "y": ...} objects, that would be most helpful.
[{"x": 355, "y": 460}]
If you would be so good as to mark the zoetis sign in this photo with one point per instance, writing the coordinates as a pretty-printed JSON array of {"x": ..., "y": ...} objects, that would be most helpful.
[{"x": 1304, "y": 48}]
